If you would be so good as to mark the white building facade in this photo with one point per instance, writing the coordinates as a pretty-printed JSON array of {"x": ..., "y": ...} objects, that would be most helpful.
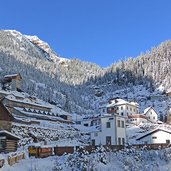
[
  {"x": 120, "y": 107},
  {"x": 157, "y": 136},
  {"x": 137, "y": 119},
  {"x": 151, "y": 114},
  {"x": 113, "y": 131}
]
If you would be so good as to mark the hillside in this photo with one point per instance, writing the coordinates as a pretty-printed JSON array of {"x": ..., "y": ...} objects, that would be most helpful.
[{"x": 82, "y": 86}]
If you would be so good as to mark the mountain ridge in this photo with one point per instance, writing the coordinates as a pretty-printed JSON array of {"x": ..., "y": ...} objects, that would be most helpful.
[{"x": 79, "y": 86}]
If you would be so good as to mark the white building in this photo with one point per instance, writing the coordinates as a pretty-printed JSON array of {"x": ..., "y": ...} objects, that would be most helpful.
[
  {"x": 151, "y": 114},
  {"x": 113, "y": 131},
  {"x": 155, "y": 136},
  {"x": 137, "y": 119},
  {"x": 91, "y": 121},
  {"x": 120, "y": 107}
]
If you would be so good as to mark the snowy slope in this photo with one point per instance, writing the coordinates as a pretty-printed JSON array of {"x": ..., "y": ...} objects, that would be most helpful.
[{"x": 45, "y": 46}]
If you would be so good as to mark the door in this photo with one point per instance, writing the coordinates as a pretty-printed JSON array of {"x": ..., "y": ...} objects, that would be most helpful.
[
  {"x": 108, "y": 140},
  {"x": 93, "y": 142}
]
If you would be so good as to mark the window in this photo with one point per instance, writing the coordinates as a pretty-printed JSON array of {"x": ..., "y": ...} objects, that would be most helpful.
[
  {"x": 130, "y": 108},
  {"x": 154, "y": 117},
  {"x": 134, "y": 110},
  {"x": 127, "y": 107},
  {"x": 2, "y": 144},
  {"x": 167, "y": 141},
  {"x": 122, "y": 113},
  {"x": 119, "y": 124},
  {"x": 121, "y": 108},
  {"x": 117, "y": 108},
  {"x": 110, "y": 118},
  {"x": 123, "y": 124},
  {"x": 96, "y": 134},
  {"x": 119, "y": 141},
  {"x": 107, "y": 124},
  {"x": 103, "y": 110},
  {"x": 108, "y": 140},
  {"x": 154, "y": 137},
  {"x": 123, "y": 141}
]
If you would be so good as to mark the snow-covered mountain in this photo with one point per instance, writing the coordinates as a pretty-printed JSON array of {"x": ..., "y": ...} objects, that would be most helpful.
[
  {"x": 81, "y": 87},
  {"x": 45, "y": 46}
]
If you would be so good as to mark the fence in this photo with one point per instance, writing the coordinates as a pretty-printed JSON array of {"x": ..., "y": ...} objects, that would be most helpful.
[{"x": 15, "y": 159}]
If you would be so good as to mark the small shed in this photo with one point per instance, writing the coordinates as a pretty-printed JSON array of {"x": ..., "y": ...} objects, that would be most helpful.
[
  {"x": 14, "y": 80},
  {"x": 8, "y": 142}
]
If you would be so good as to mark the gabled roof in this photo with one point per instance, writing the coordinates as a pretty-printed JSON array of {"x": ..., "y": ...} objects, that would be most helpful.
[
  {"x": 153, "y": 131},
  {"x": 8, "y": 134},
  {"x": 149, "y": 108}
]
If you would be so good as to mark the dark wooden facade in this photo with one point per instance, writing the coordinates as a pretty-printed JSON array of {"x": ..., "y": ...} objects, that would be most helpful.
[
  {"x": 6, "y": 118},
  {"x": 61, "y": 150},
  {"x": 8, "y": 142}
]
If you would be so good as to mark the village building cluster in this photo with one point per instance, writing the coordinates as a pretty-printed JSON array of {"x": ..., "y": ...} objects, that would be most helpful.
[
  {"x": 111, "y": 122},
  {"x": 17, "y": 107},
  {"x": 116, "y": 115}
]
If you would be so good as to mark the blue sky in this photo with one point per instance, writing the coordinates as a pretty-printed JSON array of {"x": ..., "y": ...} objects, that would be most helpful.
[{"x": 99, "y": 31}]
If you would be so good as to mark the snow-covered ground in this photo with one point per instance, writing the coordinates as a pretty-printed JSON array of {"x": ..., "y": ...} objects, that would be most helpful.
[{"x": 124, "y": 160}]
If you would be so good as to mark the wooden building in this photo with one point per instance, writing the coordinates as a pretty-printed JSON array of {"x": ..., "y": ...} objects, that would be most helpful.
[
  {"x": 8, "y": 142},
  {"x": 11, "y": 101},
  {"x": 14, "y": 80},
  {"x": 6, "y": 118}
]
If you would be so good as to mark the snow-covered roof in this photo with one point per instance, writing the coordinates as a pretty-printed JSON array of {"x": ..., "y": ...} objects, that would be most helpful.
[
  {"x": 153, "y": 131},
  {"x": 68, "y": 142},
  {"x": 147, "y": 109},
  {"x": 27, "y": 101},
  {"x": 11, "y": 75},
  {"x": 60, "y": 111},
  {"x": 4, "y": 132},
  {"x": 2, "y": 156},
  {"x": 4, "y": 92},
  {"x": 116, "y": 102},
  {"x": 40, "y": 116}
]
